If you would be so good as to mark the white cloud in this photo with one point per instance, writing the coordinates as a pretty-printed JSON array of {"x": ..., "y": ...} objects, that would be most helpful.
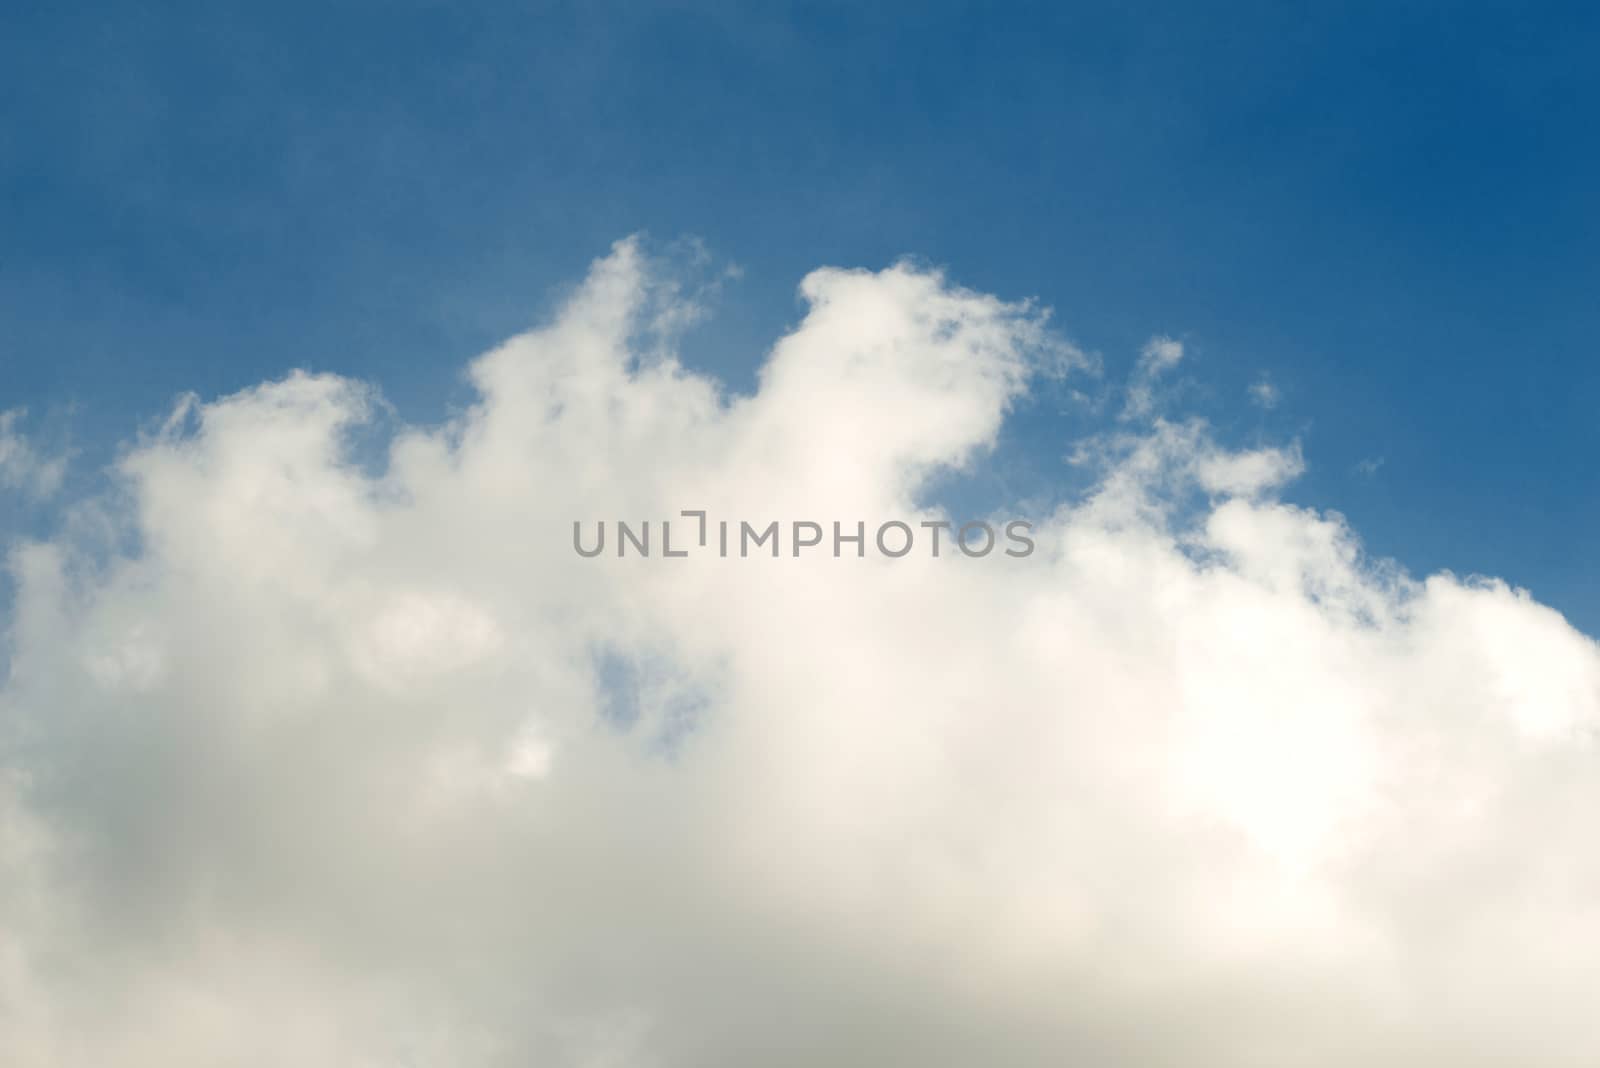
[
  {"x": 338, "y": 769},
  {"x": 1245, "y": 474},
  {"x": 1159, "y": 355},
  {"x": 21, "y": 466},
  {"x": 1263, "y": 394}
]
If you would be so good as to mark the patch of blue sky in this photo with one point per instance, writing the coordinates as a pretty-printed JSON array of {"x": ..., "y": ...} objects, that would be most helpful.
[{"x": 1387, "y": 210}]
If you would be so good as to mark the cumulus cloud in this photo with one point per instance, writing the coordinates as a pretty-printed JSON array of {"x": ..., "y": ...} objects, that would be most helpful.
[{"x": 319, "y": 765}]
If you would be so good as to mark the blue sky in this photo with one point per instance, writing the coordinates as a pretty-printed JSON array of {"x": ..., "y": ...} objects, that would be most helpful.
[{"x": 1386, "y": 209}]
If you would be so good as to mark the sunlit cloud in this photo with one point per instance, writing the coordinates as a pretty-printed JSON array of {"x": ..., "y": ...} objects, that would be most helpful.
[{"x": 325, "y": 763}]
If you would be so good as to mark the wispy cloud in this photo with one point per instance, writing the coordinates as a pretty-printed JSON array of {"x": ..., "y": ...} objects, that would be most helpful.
[
  {"x": 1159, "y": 355},
  {"x": 22, "y": 467},
  {"x": 1263, "y": 394}
]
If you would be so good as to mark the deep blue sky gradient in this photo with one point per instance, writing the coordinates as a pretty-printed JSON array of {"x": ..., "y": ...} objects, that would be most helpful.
[{"x": 1390, "y": 209}]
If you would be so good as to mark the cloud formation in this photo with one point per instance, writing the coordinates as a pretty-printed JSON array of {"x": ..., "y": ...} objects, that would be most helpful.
[
  {"x": 22, "y": 467},
  {"x": 311, "y": 763},
  {"x": 1263, "y": 394}
]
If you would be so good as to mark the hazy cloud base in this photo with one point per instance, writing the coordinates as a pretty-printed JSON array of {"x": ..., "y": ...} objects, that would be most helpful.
[{"x": 312, "y": 764}]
